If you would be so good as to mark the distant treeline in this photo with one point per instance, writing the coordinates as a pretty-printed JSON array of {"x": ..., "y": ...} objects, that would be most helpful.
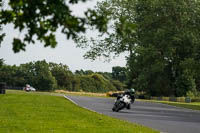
[{"x": 50, "y": 76}]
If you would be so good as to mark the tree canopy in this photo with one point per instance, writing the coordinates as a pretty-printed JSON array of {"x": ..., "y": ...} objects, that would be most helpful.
[
  {"x": 50, "y": 76},
  {"x": 40, "y": 19},
  {"x": 163, "y": 41}
]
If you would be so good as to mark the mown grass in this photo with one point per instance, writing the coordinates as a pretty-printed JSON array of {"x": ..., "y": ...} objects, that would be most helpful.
[
  {"x": 193, "y": 105},
  {"x": 22, "y": 112}
]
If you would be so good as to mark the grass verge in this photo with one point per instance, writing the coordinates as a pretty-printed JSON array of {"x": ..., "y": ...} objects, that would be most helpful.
[
  {"x": 89, "y": 94},
  {"x": 193, "y": 105},
  {"x": 22, "y": 112}
]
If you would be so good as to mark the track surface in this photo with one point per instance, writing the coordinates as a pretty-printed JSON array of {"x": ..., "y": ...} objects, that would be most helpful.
[{"x": 165, "y": 118}]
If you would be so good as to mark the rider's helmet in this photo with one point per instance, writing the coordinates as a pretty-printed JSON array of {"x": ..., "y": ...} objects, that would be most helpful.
[{"x": 132, "y": 91}]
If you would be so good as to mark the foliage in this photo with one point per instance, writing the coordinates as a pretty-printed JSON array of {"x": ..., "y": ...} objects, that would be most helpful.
[
  {"x": 40, "y": 19},
  {"x": 1, "y": 62},
  {"x": 49, "y": 76},
  {"x": 36, "y": 74},
  {"x": 168, "y": 34},
  {"x": 62, "y": 75},
  {"x": 190, "y": 94},
  {"x": 43, "y": 78},
  {"x": 82, "y": 72},
  {"x": 106, "y": 75},
  {"x": 11, "y": 75},
  {"x": 121, "y": 35},
  {"x": 163, "y": 41},
  {"x": 118, "y": 85},
  {"x": 119, "y": 73},
  {"x": 95, "y": 83}
]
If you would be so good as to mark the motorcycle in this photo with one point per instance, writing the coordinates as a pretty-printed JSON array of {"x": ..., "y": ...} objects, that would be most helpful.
[{"x": 121, "y": 102}]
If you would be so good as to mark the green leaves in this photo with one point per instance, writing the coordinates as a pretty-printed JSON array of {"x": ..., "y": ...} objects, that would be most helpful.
[
  {"x": 50, "y": 41},
  {"x": 121, "y": 29},
  {"x": 125, "y": 27},
  {"x": 6, "y": 16},
  {"x": 41, "y": 18},
  {"x": 162, "y": 38},
  {"x": 75, "y": 1},
  {"x": 97, "y": 19},
  {"x": 2, "y": 37},
  {"x": 18, "y": 45},
  {"x": 167, "y": 35}
]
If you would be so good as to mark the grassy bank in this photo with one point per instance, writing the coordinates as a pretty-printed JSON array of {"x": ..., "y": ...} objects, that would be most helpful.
[{"x": 22, "y": 112}]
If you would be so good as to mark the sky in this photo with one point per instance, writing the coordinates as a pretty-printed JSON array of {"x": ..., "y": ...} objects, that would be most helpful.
[{"x": 65, "y": 52}]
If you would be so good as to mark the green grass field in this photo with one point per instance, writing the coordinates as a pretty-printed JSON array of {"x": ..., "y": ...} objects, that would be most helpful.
[{"x": 22, "y": 112}]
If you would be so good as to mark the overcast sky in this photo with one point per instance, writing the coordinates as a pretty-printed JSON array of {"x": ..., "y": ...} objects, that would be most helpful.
[{"x": 65, "y": 52}]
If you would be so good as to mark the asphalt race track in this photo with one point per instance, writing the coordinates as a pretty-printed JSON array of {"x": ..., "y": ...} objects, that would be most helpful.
[{"x": 165, "y": 118}]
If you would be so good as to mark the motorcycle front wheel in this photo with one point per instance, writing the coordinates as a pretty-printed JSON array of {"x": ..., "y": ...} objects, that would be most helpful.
[{"x": 118, "y": 106}]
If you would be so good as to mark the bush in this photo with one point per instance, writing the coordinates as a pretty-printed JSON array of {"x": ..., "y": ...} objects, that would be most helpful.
[
  {"x": 190, "y": 94},
  {"x": 196, "y": 99},
  {"x": 118, "y": 85},
  {"x": 180, "y": 99},
  {"x": 165, "y": 98}
]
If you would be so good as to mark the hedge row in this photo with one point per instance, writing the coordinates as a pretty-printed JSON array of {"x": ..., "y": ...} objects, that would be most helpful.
[{"x": 173, "y": 99}]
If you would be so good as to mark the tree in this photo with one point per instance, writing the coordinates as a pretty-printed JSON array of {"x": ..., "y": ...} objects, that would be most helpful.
[
  {"x": 49, "y": 76},
  {"x": 162, "y": 38},
  {"x": 82, "y": 72},
  {"x": 95, "y": 83},
  {"x": 79, "y": 72},
  {"x": 76, "y": 83},
  {"x": 38, "y": 74},
  {"x": 121, "y": 36},
  {"x": 106, "y": 75},
  {"x": 43, "y": 78},
  {"x": 12, "y": 75},
  {"x": 168, "y": 37},
  {"x": 2, "y": 35},
  {"x": 119, "y": 73},
  {"x": 28, "y": 70},
  {"x": 41, "y": 19},
  {"x": 1, "y": 62},
  {"x": 118, "y": 85},
  {"x": 62, "y": 74}
]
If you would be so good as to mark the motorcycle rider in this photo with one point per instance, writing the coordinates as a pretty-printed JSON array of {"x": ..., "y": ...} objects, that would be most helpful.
[
  {"x": 127, "y": 98},
  {"x": 131, "y": 93}
]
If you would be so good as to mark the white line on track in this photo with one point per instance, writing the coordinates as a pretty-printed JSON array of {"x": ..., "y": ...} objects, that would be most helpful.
[{"x": 80, "y": 106}]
